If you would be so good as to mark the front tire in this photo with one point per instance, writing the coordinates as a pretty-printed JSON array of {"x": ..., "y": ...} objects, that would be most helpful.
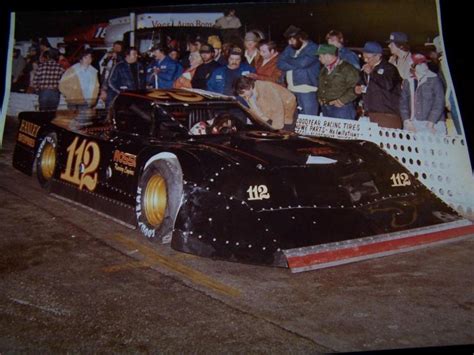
[
  {"x": 158, "y": 198},
  {"x": 46, "y": 160}
]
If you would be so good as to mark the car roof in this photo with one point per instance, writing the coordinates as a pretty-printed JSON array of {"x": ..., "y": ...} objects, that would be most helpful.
[{"x": 180, "y": 96}]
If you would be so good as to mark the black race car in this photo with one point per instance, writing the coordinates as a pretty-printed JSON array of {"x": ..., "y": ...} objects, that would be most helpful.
[{"x": 198, "y": 170}]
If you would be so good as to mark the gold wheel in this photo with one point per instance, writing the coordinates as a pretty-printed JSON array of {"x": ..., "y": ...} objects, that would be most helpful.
[
  {"x": 155, "y": 200},
  {"x": 48, "y": 161}
]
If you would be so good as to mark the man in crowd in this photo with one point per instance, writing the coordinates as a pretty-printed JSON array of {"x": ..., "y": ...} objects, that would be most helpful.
[
  {"x": 401, "y": 56},
  {"x": 193, "y": 46},
  {"x": 108, "y": 61},
  {"x": 251, "y": 54},
  {"x": 223, "y": 78},
  {"x": 163, "y": 71},
  {"x": 216, "y": 43},
  {"x": 337, "y": 81},
  {"x": 203, "y": 72},
  {"x": 228, "y": 21},
  {"x": 174, "y": 54},
  {"x": 271, "y": 102},
  {"x": 80, "y": 83},
  {"x": 422, "y": 99},
  {"x": 380, "y": 86},
  {"x": 336, "y": 38},
  {"x": 126, "y": 75},
  {"x": 18, "y": 65},
  {"x": 266, "y": 67},
  {"x": 46, "y": 82},
  {"x": 301, "y": 68},
  {"x": 62, "y": 58},
  {"x": 449, "y": 94}
]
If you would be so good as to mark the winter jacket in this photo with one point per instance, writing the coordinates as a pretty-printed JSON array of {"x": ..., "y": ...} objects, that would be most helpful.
[
  {"x": 73, "y": 88},
  {"x": 383, "y": 89},
  {"x": 203, "y": 73},
  {"x": 273, "y": 102},
  {"x": 426, "y": 103},
  {"x": 339, "y": 84},
  {"x": 269, "y": 71},
  {"x": 301, "y": 68},
  {"x": 350, "y": 57},
  {"x": 170, "y": 70},
  {"x": 120, "y": 78},
  {"x": 217, "y": 81}
]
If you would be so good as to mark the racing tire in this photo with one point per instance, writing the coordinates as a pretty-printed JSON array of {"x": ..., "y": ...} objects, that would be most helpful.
[
  {"x": 159, "y": 195},
  {"x": 46, "y": 160}
]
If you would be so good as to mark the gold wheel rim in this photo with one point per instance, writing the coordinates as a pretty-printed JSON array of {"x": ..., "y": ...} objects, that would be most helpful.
[
  {"x": 155, "y": 200},
  {"x": 48, "y": 161}
]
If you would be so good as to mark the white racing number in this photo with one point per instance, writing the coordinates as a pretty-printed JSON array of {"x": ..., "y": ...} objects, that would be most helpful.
[
  {"x": 400, "y": 179},
  {"x": 258, "y": 192}
]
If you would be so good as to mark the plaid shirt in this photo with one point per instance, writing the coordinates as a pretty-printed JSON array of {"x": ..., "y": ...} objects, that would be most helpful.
[{"x": 47, "y": 75}]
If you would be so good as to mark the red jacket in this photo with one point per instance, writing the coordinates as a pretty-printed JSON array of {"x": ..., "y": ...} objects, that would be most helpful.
[{"x": 269, "y": 71}]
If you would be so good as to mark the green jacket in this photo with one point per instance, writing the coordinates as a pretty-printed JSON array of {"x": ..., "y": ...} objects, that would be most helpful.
[{"x": 339, "y": 84}]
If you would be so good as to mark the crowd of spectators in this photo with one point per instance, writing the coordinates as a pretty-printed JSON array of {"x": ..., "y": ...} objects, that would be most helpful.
[{"x": 405, "y": 90}]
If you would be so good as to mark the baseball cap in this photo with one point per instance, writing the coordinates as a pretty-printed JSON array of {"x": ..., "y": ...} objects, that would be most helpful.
[
  {"x": 236, "y": 51},
  {"x": 326, "y": 49},
  {"x": 291, "y": 31},
  {"x": 206, "y": 48},
  {"x": 372, "y": 47},
  {"x": 398, "y": 37},
  {"x": 251, "y": 36}
]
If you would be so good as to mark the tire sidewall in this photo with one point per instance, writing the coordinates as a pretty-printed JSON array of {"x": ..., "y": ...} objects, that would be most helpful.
[
  {"x": 49, "y": 139},
  {"x": 162, "y": 232}
]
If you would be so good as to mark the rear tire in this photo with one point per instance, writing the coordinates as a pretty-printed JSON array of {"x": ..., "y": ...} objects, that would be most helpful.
[
  {"x": 158, "y": 198},
  {"x": 46, "y": 160}
]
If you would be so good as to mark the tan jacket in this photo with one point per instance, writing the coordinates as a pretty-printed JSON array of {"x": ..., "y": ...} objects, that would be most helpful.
[
  {"x": 70, "y": 87},
  {"x": 273, "y": 102}
]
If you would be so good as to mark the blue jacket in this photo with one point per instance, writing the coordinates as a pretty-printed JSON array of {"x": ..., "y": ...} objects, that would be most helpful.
[
  {"x": 350, "y": 57},
  {"x": 216, "y": 82},
  {"x": 305, "y": 67},
  {"x": 429, "y": 99},
  {"x": 170, "y": 70},
  {"x": 121, "y": 79}
]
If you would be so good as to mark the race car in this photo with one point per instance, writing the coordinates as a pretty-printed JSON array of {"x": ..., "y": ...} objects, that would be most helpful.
[{"x": 199, "y": 170}]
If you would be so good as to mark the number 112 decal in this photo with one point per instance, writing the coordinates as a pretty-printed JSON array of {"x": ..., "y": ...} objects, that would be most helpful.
[
  {"x": 400, "y": 179},
  {"x": 82, "y": 164},
  {"x": 258, "y": 192}
]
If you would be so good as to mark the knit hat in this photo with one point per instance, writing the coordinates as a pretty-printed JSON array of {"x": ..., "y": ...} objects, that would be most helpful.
[
  {"x": 372, "y": 48},
  {"x": 398, "y": 37},
  {"x": 326, "y": 49},
  {"x": 215, "y": 42}
]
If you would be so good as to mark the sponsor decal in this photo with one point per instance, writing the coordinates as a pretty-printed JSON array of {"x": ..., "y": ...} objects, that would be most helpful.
[
  {"x": 125, "y": 162},
  {"x": 23, "y": 138},
  {"x": 29, "y": 128},
  {"x": 317, "y": 150}
]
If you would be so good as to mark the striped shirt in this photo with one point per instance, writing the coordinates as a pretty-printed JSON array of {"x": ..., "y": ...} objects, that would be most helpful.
[{"x": 47, "y": 75}]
